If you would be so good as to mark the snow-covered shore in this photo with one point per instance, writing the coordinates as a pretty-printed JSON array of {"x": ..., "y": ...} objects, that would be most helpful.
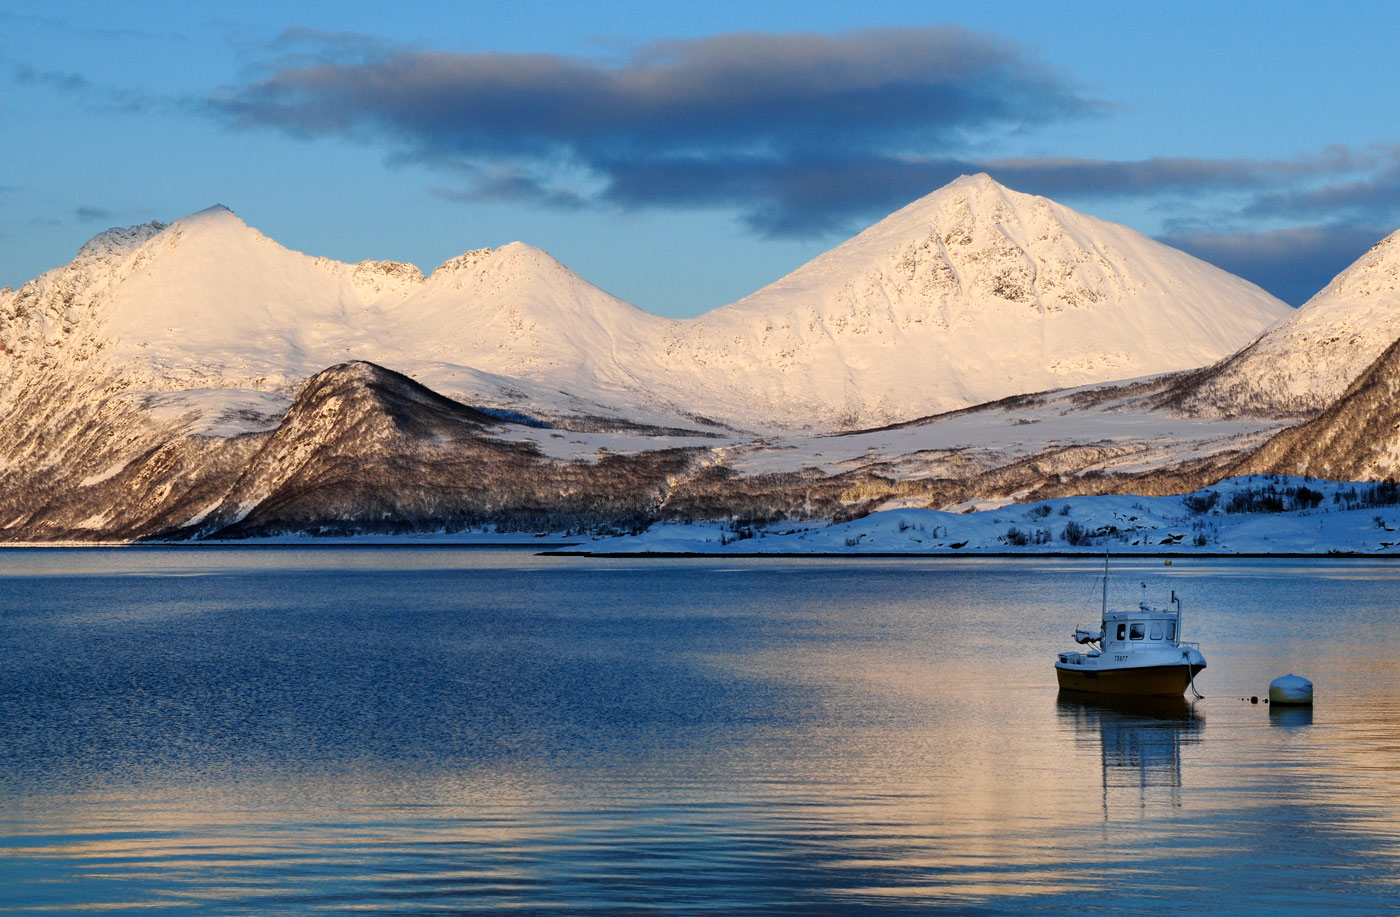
[{"x": 1256, "y": 514}]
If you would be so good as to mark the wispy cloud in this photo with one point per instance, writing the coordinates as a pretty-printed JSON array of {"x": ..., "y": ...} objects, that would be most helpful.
[
  {"x": 58, "y": 24},
  {"x": 90, "y": 214},
  {"x": 1372, "y": 196},
  {"x": 104, "y": 98},
  {"x": 67, "y": 82}
]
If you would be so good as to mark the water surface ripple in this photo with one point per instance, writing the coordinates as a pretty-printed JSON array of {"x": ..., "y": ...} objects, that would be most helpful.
[{"x": 263, "y": 731}]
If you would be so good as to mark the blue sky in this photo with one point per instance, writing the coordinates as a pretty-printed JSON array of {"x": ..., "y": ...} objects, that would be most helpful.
[{"x": 683, "y": 157}]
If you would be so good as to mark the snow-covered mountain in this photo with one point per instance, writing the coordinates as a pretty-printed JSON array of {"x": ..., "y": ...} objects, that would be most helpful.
[
  {"x": 1304, "y": 364},
  {"x": 199, "y": 378},
  {"x": 973, "y": 293},
  {"x": 1356, "y": 438},
  {"x": 210, "y": 302}
]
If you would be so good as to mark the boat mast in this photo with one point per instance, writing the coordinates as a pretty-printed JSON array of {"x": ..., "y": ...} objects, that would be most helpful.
[
  {"x": 1104, "y": 611},
  {"x": 1177, "y": 601}
]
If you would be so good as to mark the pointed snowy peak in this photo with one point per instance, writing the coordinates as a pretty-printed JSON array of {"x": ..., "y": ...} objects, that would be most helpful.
[
  {"x": 217, "y": 222},
  {"x": 512, "y": 262},
  {"x": 1304, "y": 364},
  {"x": 970, "y": 294},
  {"x": 214, "y": 213}
]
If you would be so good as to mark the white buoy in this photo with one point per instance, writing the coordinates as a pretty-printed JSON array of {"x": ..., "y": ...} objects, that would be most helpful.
[{"x": 1290, "y": 689}]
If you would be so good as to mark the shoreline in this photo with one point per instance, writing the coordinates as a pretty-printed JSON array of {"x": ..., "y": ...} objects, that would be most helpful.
[
  {"x": 994, "y": 555},
  {"x": 571, "y": 549}
]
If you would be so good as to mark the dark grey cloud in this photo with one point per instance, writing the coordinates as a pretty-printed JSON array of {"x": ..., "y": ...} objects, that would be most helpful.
[
  {"x": 754, "y": 91},
  {"x": 1373, "y": 196},
  {"x": 813, "y": 194},
  {"x": 798, "y": 134},
  {"x": 754, "y": 103},
  {"x": 801, "y": 134},
  {"x": 89, "y": 214},
  {"x": 1163, "y": 174},
  {"x": 1292, "y": 263}
]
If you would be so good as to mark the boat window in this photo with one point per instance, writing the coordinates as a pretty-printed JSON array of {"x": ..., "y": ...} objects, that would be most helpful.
[
  {"x": 1122, "y": 628},
  {"x": 1137, "y": 631},
  {"x": 1156, "y": 630},
  {"x": 1171, "y": 630}
]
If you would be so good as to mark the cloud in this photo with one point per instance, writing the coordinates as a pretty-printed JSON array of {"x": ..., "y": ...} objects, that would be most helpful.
[
  {"x": 1292, "y": 263},
  {"x": 1373, "y": 196},
  {"x": 766, "y": 92},
  {"x": 57, "y": 24},
  {"x": 816, "y": 194},
  {"x": 725, "y": 114},
  {"x": 90, "y": 214},
  {"x": 516, "y": 186},
  {"x": 800, "y": 134},
  {"x": 1157, "y": 175},
  {"x": 301, "y": 47},
  {"x": 97, "y": 97},
  {"x": 66, "y": 82}
]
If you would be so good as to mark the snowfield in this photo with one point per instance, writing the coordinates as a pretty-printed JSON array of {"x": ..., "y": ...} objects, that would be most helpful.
[{"x": 1255, "y": 514}]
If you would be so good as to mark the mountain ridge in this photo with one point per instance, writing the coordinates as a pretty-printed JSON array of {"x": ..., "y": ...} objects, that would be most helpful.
[
  {"x": 972, "y": 293},
  {"x": 1300, "y": 366}
]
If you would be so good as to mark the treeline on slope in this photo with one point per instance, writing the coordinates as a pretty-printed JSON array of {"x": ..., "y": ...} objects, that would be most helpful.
[{"x": 366, "y": 450}]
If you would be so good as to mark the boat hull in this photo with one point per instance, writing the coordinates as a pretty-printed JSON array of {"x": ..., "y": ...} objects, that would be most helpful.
[{"x": 1136, "y": 681}]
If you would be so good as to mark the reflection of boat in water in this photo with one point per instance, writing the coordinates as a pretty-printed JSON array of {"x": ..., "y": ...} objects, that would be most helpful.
[
  {"x": 1133, "y": 653},
  {"x": 1140, "y": 741}
]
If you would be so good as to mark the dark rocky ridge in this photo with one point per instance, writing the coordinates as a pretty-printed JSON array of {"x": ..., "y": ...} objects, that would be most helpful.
[{"x": 365, "y": 449}]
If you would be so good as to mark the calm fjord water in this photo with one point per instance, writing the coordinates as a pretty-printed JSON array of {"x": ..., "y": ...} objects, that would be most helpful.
[{"x": 259, "y": 730}]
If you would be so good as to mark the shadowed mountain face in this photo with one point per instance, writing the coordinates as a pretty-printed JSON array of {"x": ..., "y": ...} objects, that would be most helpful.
[
  {"x": 366, "y": 449},
  {"x": 360, "y": 449},
  {"x": 1357, "y": 438}
]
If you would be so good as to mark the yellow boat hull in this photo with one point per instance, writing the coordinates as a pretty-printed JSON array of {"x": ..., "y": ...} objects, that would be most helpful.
[{"x": 1141, "y": 681}]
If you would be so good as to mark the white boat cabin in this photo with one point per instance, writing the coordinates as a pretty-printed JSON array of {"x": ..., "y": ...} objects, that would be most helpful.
[{"x": 1143, "y": 628}]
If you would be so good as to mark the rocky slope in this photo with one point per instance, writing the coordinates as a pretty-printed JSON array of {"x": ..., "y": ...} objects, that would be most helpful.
[
  {"x": 1302, "y": 365},
  {"x": 366, "y": 449},
  {"x": 1356, "y": 438}
]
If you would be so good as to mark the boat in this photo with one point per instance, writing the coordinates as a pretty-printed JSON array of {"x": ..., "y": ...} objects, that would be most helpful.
[{"x": 1136, "y": 653}]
